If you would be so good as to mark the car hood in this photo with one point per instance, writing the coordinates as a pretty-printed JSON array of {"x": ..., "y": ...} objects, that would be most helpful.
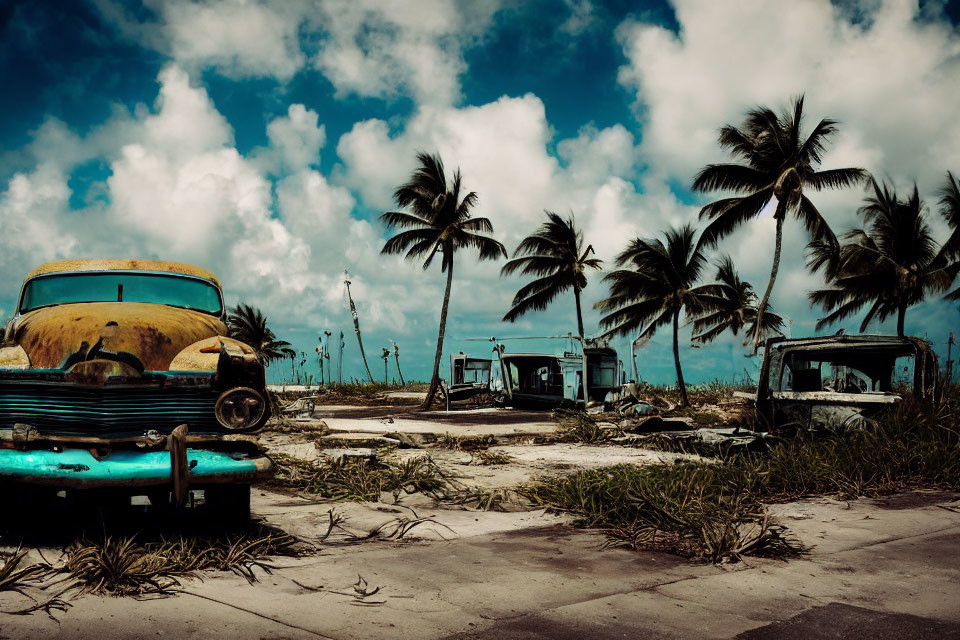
[{"x": 154, "y": 333}]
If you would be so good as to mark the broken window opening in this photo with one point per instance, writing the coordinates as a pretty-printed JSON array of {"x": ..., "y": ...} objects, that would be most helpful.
[{"x": 847, "y": 370}]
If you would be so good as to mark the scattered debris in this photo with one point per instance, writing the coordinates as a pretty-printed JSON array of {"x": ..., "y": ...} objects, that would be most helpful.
[{"x": 302, "y": 407}]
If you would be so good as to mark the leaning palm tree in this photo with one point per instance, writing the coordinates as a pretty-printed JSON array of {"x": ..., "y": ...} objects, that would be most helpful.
[
  {"x": 889, "y": 266},
  {"x": 654, "y": 284},
  {"x": 731, "y": 304},
  {"x": 438, "y": 220},
  {"x": 555, "y": 256},
  {"x": 778, "y": 162},
  {"x": 248, "y": 325}
]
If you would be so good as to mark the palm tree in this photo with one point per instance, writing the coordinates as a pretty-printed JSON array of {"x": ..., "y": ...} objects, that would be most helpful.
[
  {"x": 891, "y": 265},
  {"x": 778, "y": 163},
  {"x": 950, "y": 210},
  {"x": 248, "y": 325},
  {"x": 654, "y": 284},
  {"x": 438, "y": 221},
  {"x": 556, "y": 257},
  {"x": 731, "y": 303}
]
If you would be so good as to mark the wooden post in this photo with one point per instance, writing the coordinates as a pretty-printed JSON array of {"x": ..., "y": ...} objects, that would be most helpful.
[{"x": 179, "y": 473}]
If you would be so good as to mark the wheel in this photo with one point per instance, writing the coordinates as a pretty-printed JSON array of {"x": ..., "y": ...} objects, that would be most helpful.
[{"x": 229, "y": 503}]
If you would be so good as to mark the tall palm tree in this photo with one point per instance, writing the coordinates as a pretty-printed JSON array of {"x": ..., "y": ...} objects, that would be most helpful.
[
  {"x": 555, "y": 255},
  {"x": 438, "y": 220},
  {"x": 248, "y": 325},
  {"x": 950, "y": 210},
  {"x": 778, "y": 162},
  {"x": 654, "y": 284},
  {"x": 890, "y": 265},
  {"x": 731, "y": 304}
]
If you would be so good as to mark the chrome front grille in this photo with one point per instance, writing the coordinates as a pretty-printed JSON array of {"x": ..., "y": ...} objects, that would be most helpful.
[{"x": 63, "y": 408}]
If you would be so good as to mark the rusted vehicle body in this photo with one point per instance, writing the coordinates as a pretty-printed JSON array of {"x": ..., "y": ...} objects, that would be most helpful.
[
  {"x": 841, "y": 381},
  {"x": 118, "y": 374}
]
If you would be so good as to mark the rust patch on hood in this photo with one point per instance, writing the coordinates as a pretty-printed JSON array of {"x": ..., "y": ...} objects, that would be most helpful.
[{"x": 154, "y": 333}]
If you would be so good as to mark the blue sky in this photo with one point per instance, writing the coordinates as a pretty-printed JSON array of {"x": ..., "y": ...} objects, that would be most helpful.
[{"x": 262, "y": 139}]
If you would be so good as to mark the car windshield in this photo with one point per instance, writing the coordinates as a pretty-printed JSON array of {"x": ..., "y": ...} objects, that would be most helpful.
[{"x": 173, "y": 290}]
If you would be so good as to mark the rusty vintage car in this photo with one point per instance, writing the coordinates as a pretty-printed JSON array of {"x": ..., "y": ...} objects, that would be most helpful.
[
  {"x": 839, "y": 382},
  {"x": 119, "y": 375}
]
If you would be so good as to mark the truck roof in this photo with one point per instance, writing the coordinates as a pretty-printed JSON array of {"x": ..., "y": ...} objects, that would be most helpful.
[
  {"x": 122, "y": 264},
  {"x": 844, "y": 340}
]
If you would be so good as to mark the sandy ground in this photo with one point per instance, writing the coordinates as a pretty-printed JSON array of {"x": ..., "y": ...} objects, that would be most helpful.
[
  {"x": 885, "y": 568},
  {"x": 877, "y": 568}
]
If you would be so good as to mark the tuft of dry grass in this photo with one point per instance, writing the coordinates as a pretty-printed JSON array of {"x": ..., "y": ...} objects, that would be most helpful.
[
  {"x": 577, "y": 426},
  {"x": 465, "y": 443},
  {"x": 14, "y": 577},
  {"x": 479, "y": 498},
  {"x": 486, "y": 458},
  {"x": 360, "y": 479},
  {"x": 122, "y": 566}
]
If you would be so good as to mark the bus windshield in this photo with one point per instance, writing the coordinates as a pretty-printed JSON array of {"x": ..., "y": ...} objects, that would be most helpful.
[{"x": 126, "y": 286}]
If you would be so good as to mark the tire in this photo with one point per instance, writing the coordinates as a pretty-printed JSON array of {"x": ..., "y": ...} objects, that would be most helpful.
[{"x": 228, "y": 503}]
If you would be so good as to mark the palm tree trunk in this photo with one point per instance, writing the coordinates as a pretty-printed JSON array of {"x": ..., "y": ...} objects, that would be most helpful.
[
  {"x": 396, "y": 356},
  {"x": 576, "y": 295},
  {"x": 758, "y": 332},
  {"x": 356, "y": 327},
  {"x": 676, "y": 360},
  {"x": 901, "y": 315},
  {"x": 435, "y": 378}
]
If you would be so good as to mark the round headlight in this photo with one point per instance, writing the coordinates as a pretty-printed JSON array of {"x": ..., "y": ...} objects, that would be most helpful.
[{"x": 240, "y": 408}]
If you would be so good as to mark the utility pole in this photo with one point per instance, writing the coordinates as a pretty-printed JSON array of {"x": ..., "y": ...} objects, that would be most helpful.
[
  {"x": 356, "y": 325},
  {"x": 326, "y": 354},
  {"x": 386, "y": 361},
  {"x": 396, "y": 355},
  {"x": 320, "y": 350},
  {"x": 340, "y": 361}
]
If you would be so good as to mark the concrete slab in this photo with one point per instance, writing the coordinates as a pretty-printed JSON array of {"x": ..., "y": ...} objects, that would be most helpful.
[
  {"x": 564, "y": 456},
  {"x": 387, "y": 419}
]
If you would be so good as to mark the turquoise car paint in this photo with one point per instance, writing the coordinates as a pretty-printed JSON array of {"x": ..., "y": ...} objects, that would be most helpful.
[{"x": 78, "y": 468}]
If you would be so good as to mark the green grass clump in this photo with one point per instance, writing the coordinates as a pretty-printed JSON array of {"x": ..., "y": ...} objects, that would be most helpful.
[
  {"x": 716, "y": 511},
  {"x": 359, "y": 479}
]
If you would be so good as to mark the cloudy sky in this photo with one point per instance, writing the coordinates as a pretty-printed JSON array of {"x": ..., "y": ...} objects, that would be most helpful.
[{"x": 263, "y": 139}]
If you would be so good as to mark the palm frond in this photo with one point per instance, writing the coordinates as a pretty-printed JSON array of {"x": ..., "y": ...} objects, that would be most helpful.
[
  {"x": 730, "y": 177},
  {"x": 736, "y": 212},
  {"x": 836, "y": 178}
]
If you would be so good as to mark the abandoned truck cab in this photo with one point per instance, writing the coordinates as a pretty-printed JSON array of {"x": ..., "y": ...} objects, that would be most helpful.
[
  {"x": 118, "y": 374},
  {"x": 841, "y": 381}
]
